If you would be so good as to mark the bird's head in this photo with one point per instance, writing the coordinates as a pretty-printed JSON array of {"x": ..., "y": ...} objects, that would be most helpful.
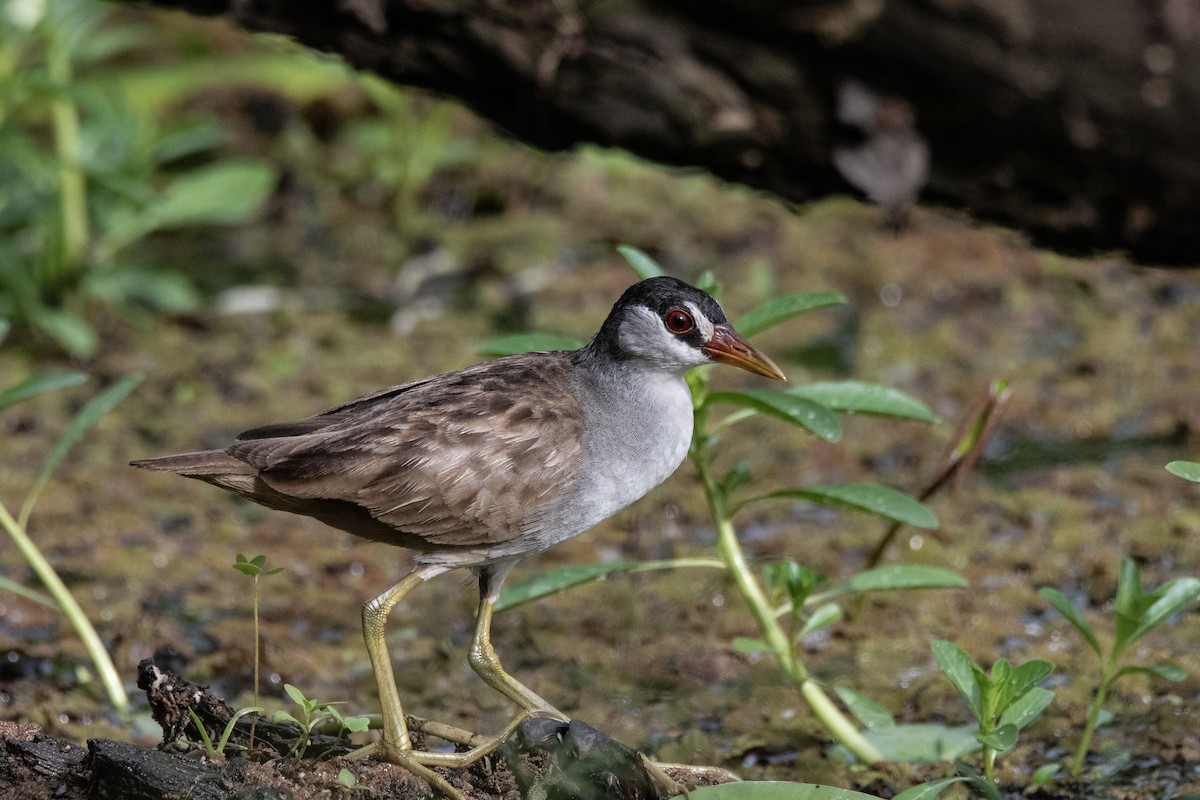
[{"x": 666, "y": 323}]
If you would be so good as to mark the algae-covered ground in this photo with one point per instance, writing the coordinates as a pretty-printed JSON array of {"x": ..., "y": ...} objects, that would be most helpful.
[{"x": 493, "y": 238}]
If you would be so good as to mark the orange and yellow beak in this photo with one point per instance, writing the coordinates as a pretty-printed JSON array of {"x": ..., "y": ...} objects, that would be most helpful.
[{"x": 728, "y": 347}]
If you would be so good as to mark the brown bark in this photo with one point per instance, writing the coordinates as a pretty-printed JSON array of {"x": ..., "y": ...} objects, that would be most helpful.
[{"x": 1072, "y": 120}]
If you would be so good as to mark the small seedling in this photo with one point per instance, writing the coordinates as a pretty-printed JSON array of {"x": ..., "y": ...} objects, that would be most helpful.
[
  {"x": 1003, "y": 701},
  {"x": 314, "y": 716},
  {"x": 1137, "y": 613},
  {"x": 346, "y": 779},
  {"x": 214, "y": 750},
  {"x": 254, "y": 568}
]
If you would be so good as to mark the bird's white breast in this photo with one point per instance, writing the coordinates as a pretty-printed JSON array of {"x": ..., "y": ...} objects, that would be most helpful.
[{"x": 636, "y": 432}]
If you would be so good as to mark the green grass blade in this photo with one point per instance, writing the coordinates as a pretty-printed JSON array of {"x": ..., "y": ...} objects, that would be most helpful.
[
  {"x": 801, "y": 411},
  {"x": 867, "y": 497},
  {"x": 70, "y": 607},
  {"x": 1072, "y": 614},
  {"x": 526, "y": 343},
  {"x": 643, "y": 265},
  {"x": 1188, "y": 470},
  {"x": 556, "y": 580},
  {"x": 780, "y": 309},
  {"x": 29, "y": 594},
  {"x": 857, "y": 397},
  {"x": 1167, "y": 672},
  {"x": 39, "y": 384},
  {"x": 88, "y": 416}
]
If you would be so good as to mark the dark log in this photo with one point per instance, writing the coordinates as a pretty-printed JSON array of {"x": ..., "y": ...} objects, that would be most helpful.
[{"x": 1071, "y": 120}]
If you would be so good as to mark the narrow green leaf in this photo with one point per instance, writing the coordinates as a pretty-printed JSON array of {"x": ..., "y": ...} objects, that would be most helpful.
[
  {"x": 1188, "y": 470},
  {"x": 5, "y": 326},
  {"x": 1168, "y": 672},
  {"x": 868, "y": 497},
  {"x": 69, "y": 331},
  {"x": 527, "y": 343},
  {"x": 29, "y": 594},
  {"x": 1027, "y": 708},
  {"x": 961, "y": 669},
  {"x": 552, "y": 581},
  {"x": 780, "y": 309},
  {"x": 776, "y": 790},
  {"x": 872, "y": 715},
  {"x": 224, "y": 192},
  {"x": 822, "y": 617},
  {"x": 801, "y": 411},
  {"x": 39, "y": 384},
  {"x": 1129, "y": 594},
  {"x": 1072, "y": 614},
  {"x": 744, "y": 644},
  {"x": 856, "y": 397},
  {"x": 1045, "y": 774},
  {"x": 1000, "y": 740},
  {"x": 89, "y": 415},
  {"x": 895, "y": 577},
  {"x": 1163, "y": 603},
  {"x": 297, "y": 696},
  {"x": 928, "y": 790},
  {"x": 643, "y": 265}
]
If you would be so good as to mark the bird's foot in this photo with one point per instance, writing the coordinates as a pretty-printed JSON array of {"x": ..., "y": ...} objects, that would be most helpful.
[
  {"x": 410, "y": 760},
  {"x": 687, "y": 776}
]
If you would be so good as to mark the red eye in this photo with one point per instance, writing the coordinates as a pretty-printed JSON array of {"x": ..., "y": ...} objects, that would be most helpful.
[{"x": 679, "y": 321}]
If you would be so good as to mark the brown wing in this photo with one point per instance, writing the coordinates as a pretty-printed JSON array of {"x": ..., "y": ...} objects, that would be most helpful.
[{"x": 462, "y": 459}]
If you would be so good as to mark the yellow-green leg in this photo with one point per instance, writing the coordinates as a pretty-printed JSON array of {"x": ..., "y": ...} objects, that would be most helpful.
[{"x": 483, "y": 658}]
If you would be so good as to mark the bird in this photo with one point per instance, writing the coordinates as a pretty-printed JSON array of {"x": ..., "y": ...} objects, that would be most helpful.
[{"x": 480, "y": 467}]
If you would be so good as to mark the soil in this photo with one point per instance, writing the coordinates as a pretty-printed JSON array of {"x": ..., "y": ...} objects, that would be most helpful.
[{"x": 1102, "y": 355}]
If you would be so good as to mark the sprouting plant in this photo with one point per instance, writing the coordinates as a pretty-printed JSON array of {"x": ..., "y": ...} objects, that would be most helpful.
[
  {"x": 346, "y": 780},
  {"x": 60, "y": 597},
  {"x": 789, "y": 593},
  {"x": 1137, "y": 613},
  {"x": 1188, "y": 470},
  {"x": 1003, "y": 701},
  {"x": 214, "y": 750},
  {"x": 254, "y": 568},
  {"x": 315, "y": 716}
]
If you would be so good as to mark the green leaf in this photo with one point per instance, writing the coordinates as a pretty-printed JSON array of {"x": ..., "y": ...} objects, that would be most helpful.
[
  {"x": 1000, "y": 740},
  {"x": 346, "y": 778},
  {"x": 39, "y": 384},
  {"x": 872, "y": 715},
  {"x": 780, "y": 309},
  {"x": 643, "y": 265},
  {"x": 928, "y": 790},
  {"x": 1026, "y": 676},
  {"x": 868, "y": 497},
  {"x": 744, "y": 644},
  {"x": 960, "y": 668},
  {"x": 5, "y": 327},
  {"x": 856, "y": 397},
  {"x": 527, "y": 343},
  {"x": 1168, "y": 672},
  {"x": 822, "y": 617},
  {"x": 69, "y": 331},
  {"x": 89, "y": 415},
  {"x": 297, "y": 696},
  {"x": 924, "y": 742},
  {"x": 1072, "y": 614},
  {"x": 776, "y": 790},
  {"x": 801, "y": 411},
  {"x": 1045, "y": 774},
  {"x": 894, "y": 577},
  {"x": 1027, "y": 708},
  {"x": 1189, "y": 470},
  {"x": 1163, "y": 603},
  {"x": 222, "y": 193},
  {"x": 552, "y": 581}
]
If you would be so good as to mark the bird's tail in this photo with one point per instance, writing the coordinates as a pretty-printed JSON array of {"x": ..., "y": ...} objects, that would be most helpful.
[{"x": 204, "y": 464}]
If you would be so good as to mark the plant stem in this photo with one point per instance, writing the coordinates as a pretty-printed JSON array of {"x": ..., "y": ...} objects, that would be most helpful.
[
  {"x": 72, "y": 190},
  {"x": 1085, "y": 741},
  {"x": 68, "y": 605},
  {"x": 254, "y": 721},
  {"x": 760, "y": 608}
]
